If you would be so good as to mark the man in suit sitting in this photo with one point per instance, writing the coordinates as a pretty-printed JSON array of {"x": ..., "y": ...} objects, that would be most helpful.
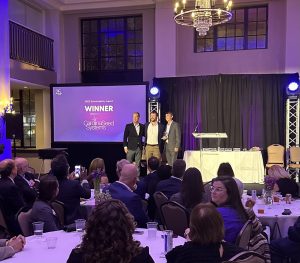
[
  {"x": 70, "y": 190},
  {"x": 25, "y": 181},
  {"x": 123, "y": 190},
  {"x": 132, "y": 140},
  {"x": 172, "y": 185},
  {"x": 11, "y": 194},
  {"x": 172, "y": 137}
]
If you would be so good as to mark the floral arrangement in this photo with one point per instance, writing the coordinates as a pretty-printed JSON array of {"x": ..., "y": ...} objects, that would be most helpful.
[
  {"x": 96, "y": 174},
  {"x": 270, "y": 182}
]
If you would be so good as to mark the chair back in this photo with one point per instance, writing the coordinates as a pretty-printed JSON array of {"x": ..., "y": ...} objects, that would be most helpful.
[
  {"x": 160, "y": 199},
  {"x": 24, "y": 219},
  {"x": 59, "y": 209},
  {"x": 275, "y": 155},
  {"x": 294, "y": 154},
  {"x": 247, "y": 257},
  {"x": 2, "y": 218},
  {"x": 176, "y": 217},
  {"x": 243, "y": 237}
]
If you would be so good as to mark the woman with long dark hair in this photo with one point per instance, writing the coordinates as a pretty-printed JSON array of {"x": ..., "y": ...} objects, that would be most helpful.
[
  {"x": 191, "y": 192},
  {"x": 225, "y": 195},
  {"x": 109, "y": 238}
]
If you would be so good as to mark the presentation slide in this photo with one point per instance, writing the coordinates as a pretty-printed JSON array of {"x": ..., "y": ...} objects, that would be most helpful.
[{"x": 95, "y": 113}]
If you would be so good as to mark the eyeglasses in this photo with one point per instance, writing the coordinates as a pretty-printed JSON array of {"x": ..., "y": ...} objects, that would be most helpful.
[{"x": 217, "y": 189}]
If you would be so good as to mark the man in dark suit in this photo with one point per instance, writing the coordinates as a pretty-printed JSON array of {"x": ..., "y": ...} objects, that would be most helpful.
[
  {"x": 12, "y": 199},
  {"x": 153, "y": 137},
  {"x": 25, "y": 181},
  {"x": 123, "y": 190},
  {"x": 132, "y": 140},
  {"x": 150, "y": 182},
  {"x": 172, "y": 137},
  {"x": 70, "y": 190},
  {"x": 173, "y": 184}
]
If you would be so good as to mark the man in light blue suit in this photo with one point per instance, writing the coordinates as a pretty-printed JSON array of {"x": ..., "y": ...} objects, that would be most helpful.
[{"x": 172, "y": 137}]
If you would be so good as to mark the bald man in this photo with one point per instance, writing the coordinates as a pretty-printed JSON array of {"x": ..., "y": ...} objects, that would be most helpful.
[
  {"x": 124, "y": 191},
  {"x": 11, "y": 194},
  {"x": 25, "y": 181}
]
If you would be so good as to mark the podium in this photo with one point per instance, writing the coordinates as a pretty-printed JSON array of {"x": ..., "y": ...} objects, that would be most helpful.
[{"x": 214, "y": 135}]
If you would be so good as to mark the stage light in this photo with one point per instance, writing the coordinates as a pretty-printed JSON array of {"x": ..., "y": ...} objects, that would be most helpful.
[
  {"x": 154, "y": 93},
  {"x": 293, "y": 86}
]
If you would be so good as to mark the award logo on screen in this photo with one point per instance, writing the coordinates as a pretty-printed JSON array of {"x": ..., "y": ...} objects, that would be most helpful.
[
  {"x": 96, "y": 125},
  {"x": 58, "y": 92}
]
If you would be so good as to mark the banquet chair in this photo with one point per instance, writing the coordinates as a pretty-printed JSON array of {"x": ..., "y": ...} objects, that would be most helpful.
[
  {"x": 275, "y": 155},
  {"x": 176, "y": 217},
  {"x": 294, "y": 159},
  {"x": 247, "y": 257},
  {"x": 24, "y": 219},
  {"x": 59, "y": 209},
  {"x": 243, "y": 237},
  {"x": 2, "y": 218},
  {"x": 160, "y": 199}
]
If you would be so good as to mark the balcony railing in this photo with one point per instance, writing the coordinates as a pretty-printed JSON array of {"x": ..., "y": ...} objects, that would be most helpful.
[{"x": 30, "y": 47}]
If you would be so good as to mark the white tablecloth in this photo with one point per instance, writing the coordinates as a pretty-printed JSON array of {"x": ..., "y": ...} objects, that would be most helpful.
[
  {"x": 247, "y": 165},
  {"x": 273, "y": 213},
  {"x": 36, "y": 250}
]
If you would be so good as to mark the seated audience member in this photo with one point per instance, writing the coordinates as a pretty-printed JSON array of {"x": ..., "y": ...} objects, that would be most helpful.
[
  {"x": 283, "y": 183},
  {"x": 42, "y": 210},
  {"x": 140, "y": 185},
  {"x": 286, "y": 186},
  {"x": 25, "y": 181},
  {"x": 278, "y": 172},
  {"x": 108, "y": 237},
  {"x": 152, "y": 178},
  {"x": 164, "y": 172},
  {"x": 123, "y": 190},
  {"x": 225, "y": 195},
  {"x": 205, "y": 239},
  {"x": 173, "y": 184},
  {"x": 150, "y": 182},
  {"x": 97, "y": 164},
  {"x": 225, "y": 169},
  {"x": 11, "y": 195},
  {"x": 9, "y": 247},
  {"x": 191, "y": 192},
  {"x": 70, "y": 190},
  {"x": 287, "y": 247}
]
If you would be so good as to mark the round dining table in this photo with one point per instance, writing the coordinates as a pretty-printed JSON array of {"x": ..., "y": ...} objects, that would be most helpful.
[
  {"x": 272, "y": 216},
  {"x": 37, "y": 251}
]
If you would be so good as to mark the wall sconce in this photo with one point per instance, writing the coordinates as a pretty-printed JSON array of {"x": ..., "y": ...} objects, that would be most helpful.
[{"x": 7, "y": 107}]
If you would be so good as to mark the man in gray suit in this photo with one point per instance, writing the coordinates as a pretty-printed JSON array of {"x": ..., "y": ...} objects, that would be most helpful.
[{"x": 172, "y": 137}]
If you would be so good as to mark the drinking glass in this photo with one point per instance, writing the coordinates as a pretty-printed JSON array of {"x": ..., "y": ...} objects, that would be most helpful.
[
  {"x": 80, "y": 225},
  {"x": 38, "y": 228},
  {"x": 152, "y": 230}
]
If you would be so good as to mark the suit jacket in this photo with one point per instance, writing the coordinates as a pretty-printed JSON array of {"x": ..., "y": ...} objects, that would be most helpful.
[
  {"x": 29, "y": 194},
  {"x": 132, "y": 201},
  {"x": 42, "y": 211},
  {"x": 70, "y": 192},
  {"x": 174, "y": 136},
  {"x": 131, "y": 139},
  {"x": 5, "y": 252},
  {"x": 169, "y": 186},
  {"x": 160, "y": 135},
  {"x": 12, "y": 202}
]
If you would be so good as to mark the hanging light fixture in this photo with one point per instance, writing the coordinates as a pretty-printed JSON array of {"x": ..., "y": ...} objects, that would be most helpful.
[{"x": 203, "y": 15}]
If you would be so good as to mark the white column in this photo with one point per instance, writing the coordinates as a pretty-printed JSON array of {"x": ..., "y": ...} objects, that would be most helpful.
[
  {"x": 292, "y": 38},
  {"x": 4, "y": 74},
  {"x": 165, "y": 39}
]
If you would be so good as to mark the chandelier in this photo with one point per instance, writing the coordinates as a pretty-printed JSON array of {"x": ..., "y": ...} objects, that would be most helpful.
[{"x": 203, "y": 15}]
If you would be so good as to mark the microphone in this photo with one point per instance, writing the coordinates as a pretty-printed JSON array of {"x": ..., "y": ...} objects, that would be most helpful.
[{"x": 196, "y": 127}]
